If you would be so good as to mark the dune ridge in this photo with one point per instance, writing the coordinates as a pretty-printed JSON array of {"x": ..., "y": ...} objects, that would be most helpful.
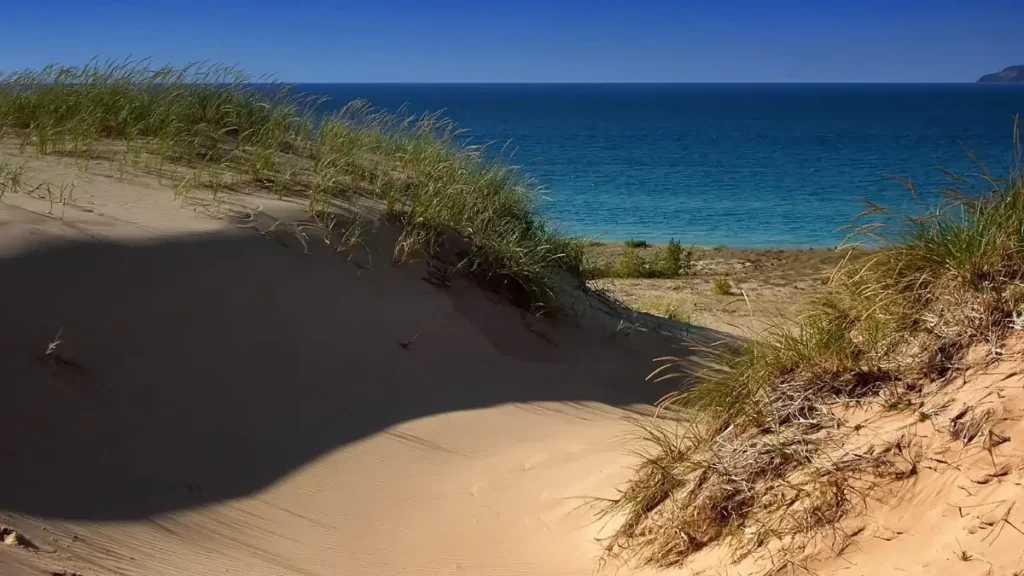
[{"x": 216, "y": 399}]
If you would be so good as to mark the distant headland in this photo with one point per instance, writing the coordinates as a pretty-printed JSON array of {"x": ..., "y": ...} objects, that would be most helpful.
[{"x": 1009, "y": 75}]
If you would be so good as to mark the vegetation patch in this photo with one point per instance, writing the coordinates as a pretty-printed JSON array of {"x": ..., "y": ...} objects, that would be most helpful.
[
  {"x": 638, "y": 261},
  {"x": 633, "y": 243},
  {"x": 721, "y": 286},
  {"x": 754, "y": 451},
  {"x": 210, "y": 127}
]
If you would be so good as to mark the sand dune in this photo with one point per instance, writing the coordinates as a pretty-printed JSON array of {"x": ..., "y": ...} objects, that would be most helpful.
[
  {"x": 189, "y": 394},
  {"x": 216, "y": 403}
]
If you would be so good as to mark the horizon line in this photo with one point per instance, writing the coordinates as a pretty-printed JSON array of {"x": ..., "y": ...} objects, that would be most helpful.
[{"x": 627, "y": 83}]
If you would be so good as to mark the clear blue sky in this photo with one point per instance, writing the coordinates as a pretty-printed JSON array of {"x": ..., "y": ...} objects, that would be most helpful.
[{"x": 533, "y": 40}]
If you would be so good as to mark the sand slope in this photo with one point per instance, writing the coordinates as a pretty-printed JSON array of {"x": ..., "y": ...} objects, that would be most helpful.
[
  {"x": 183, "y": 394},
  {"x": 217, "y": 403},
  {"x": 957, "y": 513}
]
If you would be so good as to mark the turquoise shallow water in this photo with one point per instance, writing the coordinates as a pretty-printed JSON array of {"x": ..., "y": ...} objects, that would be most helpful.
[{"x": 742, "y": 165}]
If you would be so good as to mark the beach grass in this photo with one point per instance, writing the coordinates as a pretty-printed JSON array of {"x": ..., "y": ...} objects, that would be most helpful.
[
  {"x": 752, "y": 449},
  {"x": 208, "y": 126},
  {"x": 639, "y": 259},
  {"x": 721, "y": 286},
  {"x": 12, "y": 177}
]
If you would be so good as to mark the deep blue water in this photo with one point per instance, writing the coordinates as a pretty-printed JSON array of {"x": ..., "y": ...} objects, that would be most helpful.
[{"x": 743, "y": 165}]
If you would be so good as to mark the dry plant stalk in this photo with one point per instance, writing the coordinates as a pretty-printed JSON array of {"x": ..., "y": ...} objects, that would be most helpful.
[{"x": 708, "y": 482}]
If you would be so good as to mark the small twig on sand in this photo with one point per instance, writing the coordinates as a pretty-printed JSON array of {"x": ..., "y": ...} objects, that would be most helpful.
[{"x": 52, "y": 346}]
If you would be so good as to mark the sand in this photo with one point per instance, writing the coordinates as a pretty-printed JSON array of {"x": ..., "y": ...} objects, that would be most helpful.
[
  {"x": 184, "y": 395},
  {"x": 184, "y": 392},
  {"x": 769, "y": 286}
]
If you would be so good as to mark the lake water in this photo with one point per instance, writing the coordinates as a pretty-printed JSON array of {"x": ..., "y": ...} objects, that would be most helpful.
[{"x": 742, "y": 165}]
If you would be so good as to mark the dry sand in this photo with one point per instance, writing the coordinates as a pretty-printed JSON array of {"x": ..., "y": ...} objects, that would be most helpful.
[
  {"x": 184, "y": 395},
  {"x": 216, "y": 403}
]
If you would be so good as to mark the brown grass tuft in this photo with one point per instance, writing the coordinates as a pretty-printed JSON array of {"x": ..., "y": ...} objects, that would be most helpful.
[{"x": 711, "y": 482}]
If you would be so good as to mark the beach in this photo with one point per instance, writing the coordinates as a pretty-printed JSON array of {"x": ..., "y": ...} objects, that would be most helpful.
[
  {"x": 767, "y": 287},
  {"x": 240, "y": 338}
]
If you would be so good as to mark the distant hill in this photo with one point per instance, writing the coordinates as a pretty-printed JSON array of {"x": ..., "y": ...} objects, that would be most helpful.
[{"x": 1009, "y": 75}]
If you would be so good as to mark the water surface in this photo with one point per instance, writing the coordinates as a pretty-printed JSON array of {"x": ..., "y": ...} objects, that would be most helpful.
[{"x": 743, "y": 165}]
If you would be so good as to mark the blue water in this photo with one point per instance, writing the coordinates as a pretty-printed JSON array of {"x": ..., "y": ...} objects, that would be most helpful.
[{"x": 742, "y": 165}]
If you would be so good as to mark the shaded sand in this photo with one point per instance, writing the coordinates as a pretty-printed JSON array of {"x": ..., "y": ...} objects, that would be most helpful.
[{"x": 183, "y": 395}]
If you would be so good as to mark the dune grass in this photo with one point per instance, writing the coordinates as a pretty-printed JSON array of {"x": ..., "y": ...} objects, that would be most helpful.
[
  {"x": 637, "y": 261},
  {"x": 753, "y": 450},
  {"x": 721, "y": 286},
  {"x": 214, "y": 127},
  {"x": 12, "y": 176}
]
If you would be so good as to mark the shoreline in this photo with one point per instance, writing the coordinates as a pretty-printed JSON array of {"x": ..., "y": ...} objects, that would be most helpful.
[
  {"x": 767, "y": 287},
  {"x": 710, "y": 246},
  {"x": 605, "y": 254}
]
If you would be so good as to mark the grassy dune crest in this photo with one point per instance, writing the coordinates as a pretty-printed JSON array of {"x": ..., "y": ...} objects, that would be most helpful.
[
  {"x": 755, "y": 452},
  {"x": 213, "y": 127}
]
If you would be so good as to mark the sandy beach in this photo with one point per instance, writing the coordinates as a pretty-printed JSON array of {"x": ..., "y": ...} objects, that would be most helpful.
[{"x": 767, "y": 286}]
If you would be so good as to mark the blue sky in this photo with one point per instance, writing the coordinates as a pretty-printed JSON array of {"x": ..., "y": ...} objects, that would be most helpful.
[{"x": 532, "y": 40}]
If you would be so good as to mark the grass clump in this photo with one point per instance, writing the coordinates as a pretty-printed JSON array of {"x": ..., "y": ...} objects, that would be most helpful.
[
  {"x": 721, "y": 286},
  {"x": 676, "y": 260},
  {"x": 666, "y": 262},
  {"x": 634, "y": 243},
  {"x": 211, "y": 126},
  {"x": 12, "y": 177},
  {"x": 753, "y": 450},
  {"x": 632, "y": 264},
  {"x": 692, "y": 490}
]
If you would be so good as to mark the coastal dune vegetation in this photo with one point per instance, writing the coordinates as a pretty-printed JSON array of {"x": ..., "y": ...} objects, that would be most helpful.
[
  {"x": 757, "y": 451},
  {"x": 213, "y": 127},
  {"x": 667, "y": 261},
  {"x": 749, "y": 452}
]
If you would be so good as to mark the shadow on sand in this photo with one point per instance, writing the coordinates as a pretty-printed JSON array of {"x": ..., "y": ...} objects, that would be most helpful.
[{"x": 201, "y": 369}]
